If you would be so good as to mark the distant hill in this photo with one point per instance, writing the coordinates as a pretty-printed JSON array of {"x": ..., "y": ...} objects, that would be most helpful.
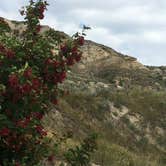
[{"x": 116, "y": 96}]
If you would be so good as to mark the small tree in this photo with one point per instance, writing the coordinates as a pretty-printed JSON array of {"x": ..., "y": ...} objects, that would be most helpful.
[{"x": 31, "y": 67}]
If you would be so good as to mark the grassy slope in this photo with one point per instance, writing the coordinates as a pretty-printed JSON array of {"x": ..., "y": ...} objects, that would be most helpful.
[{"x": 120, "y": 142}]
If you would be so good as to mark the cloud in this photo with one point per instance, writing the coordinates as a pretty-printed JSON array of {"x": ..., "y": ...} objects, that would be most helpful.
[
  {"x": 105, "y": 36},
  {"x": 137, "y": 28}
]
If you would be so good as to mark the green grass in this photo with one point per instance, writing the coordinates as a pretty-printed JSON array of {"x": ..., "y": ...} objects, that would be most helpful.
[
  {"x": 115, "y": 155},
  {"x": 148, "y": 103}
]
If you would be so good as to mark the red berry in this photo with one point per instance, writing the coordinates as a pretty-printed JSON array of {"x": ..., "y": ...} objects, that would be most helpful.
[
  {"x": 38, "y": 28},
  {"x": 51, "y": 158},
  {"x": 38, "y": 115},
  {"x": 4, "y": 131},
  {"x": 17, "y": 164},
  {"x": 55, "y": 101},
  {"x": 2, "y": 48},
  {"x": 48, "y": 61},
  {"x": 41, "y": 16},
  {"x": 64, "y": 48},
  {"x": 10, "y": 54},
  {"x": 36, "y": 84},
  {"x": 81, "y": 40},
  {"x": 70, "y": 61},
  {"x": 13, "y": 80},
  {"x": 78, "y": 58},
  {"x": 28, "y": 73},
  {"x": 41, "y": 130},
  {"x": 26, "y": 88}
]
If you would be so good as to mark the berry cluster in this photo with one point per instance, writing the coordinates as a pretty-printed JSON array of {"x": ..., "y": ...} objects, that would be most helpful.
[{"x": 41, "y": 8}]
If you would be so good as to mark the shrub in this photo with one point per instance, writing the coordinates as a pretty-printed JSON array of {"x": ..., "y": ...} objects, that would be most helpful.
[
  {"x": 80, "y": 155},
  {"x": 30, "y": 72}
]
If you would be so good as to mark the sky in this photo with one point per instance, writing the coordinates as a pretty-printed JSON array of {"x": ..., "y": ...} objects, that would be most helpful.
[{"x": 133, "y": 27}]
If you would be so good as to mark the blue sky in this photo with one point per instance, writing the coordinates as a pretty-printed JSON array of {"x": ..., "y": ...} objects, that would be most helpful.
[{"x": 133, "y": 27}]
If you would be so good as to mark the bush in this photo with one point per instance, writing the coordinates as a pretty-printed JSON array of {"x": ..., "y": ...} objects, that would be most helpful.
[
  {"x": 30, "y": 71},
  {"x": 80, "y": 155}
]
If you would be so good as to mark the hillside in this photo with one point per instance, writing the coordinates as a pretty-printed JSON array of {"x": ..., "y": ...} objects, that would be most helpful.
[
  {"x": 117, "y": 97},
  {"x": 122, "y": 100}
]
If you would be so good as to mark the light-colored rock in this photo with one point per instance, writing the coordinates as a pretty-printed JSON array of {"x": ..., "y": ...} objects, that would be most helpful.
[
  {"x": 160, "y": 131},
  {"x": 117, "y": 113},
  {"x": 135, "y": 119}
]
